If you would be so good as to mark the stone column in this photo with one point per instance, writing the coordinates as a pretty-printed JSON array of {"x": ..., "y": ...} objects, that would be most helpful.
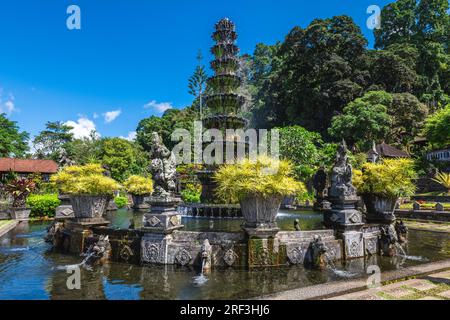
[
  {"x": 344, "y": 217},
  {"x": 158, "y": 225}
]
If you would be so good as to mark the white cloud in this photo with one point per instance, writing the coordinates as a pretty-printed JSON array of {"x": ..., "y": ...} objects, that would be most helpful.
[
  {"x": 159, "y": 107},
  {"x": 110, "y": 116},
  {"x": 82, "y": 128},
  {"x": 95, "y": 115},
  {"x": 130, "y": 137},
  {"x": 7, "y": 106}
]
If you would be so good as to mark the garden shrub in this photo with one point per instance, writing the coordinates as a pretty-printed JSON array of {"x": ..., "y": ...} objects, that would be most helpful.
[
  {"x": 121, "y": 202},
  {"x": 264, "y": 177},
  {"x": 138, "y": 185},
  {"x": 43, "y": 205},
  {"x": 191, "y": 193},
  {"x": 85, "y": 180},
  {"x": 390, "y": 177}
]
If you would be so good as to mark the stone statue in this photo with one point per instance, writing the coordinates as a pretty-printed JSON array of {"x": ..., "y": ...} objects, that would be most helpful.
[
  {"x": 315, "y": 256},
  {"x": 320, "y": 184},
  {"x": 163, "y": 168},
  {"x": 388, "y": 239},
  {"x": 54, "y": 233},
  {"x": 98, "y": 252},
  {"x": 63, "y": 159},
  {"x": 341, "y": 176},
  {"x": 206, "y": 254},
  {"x": 402, "y": 231},
  {"x": 320, "y": 181},
  {"x": 297, "y": 225}
]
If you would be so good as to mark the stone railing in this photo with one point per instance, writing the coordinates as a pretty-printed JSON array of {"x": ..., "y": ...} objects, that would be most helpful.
[{"x": 437, "y": 213}]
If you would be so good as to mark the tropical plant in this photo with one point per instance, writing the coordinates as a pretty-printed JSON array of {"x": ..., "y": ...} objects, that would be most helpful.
[
  {"x": 85, "y": 180},
  {"x": 12, "y": 141},
  {"x": 138, "y": 185},
  {"x": 264, "y": 178},
  {"x": 43, "y": 205},
  {"x": 390, "y": 178},
  {"x": 121, "y": 202},
  {"x": 300, "y": 146},
  {"x": 19, "y": 189},
  {"x": 443, "y": 179},
  {"x": 191, "y": 193}
]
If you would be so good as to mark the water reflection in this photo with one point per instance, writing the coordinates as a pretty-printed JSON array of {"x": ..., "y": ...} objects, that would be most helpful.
[{"x": 28, "y": 270}]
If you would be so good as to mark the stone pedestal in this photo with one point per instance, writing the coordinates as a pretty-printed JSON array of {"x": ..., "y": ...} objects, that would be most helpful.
[
  {"x": 77, "y": 231},
  {"x": 158, "y": 226},
  {"x": 347, "y": 221},
  {"x": 163, "y": 217}
]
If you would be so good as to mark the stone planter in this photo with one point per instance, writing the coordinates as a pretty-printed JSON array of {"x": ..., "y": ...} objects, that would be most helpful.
[
  {"x": 89, "y": 207},
  {"x": 139, "y": 202},
  {"x": 261, "y": 213},
  {"x": 380, "y": 209},
  {"x": 20, "y": 213}
]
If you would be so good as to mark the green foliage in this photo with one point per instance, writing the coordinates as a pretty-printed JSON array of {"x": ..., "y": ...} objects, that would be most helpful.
[
  {"x": 422, "y": 25},
  {"x": 118, "y": 155},
  {"x": 121, "y": 201},
  {"x": 390, "y": 177},
  {"x": 407, "y": 118},
  {"x": 86, "y": 150},
  {"x": 265, "y": 177},
  {"x": 12, "y": 142},
  {"x": 50, "y": 142},
  {"x": 443, "y": 179},
  {"x": 191, "y": 193},
  {"x": 171, "y": 119},
  {"x": 85, "y": 180},
  {"x": 300, "y": 146},
  {"x": 314, "y": 73},
  {"x": 43, "y": 205},
  {"x": 437, "y": 128},
  {"x": 364, "y": 120},
  {"x": 138, "y": 185}
]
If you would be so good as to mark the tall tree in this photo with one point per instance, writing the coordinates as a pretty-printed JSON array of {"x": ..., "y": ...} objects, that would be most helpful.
[
  {"x": 437, "y": 128},
  {"x": 13, "y": 143},
  {"x": 425, "y": 25},
  {"x": 407, "y": 118},
  {"x": 315, "y": 73},
  {"x": 197, "y": 83},
  {"x": 119, "y": 156},
  {"x": 49, "y": 142},
  {"x": 364, "y": 120}
]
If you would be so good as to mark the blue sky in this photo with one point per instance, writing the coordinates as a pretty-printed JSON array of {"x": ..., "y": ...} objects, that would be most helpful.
[{"x": 129, "y": 54}]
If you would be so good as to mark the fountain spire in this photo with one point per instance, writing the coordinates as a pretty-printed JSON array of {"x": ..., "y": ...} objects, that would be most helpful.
[{"x": 225, "y": 103}]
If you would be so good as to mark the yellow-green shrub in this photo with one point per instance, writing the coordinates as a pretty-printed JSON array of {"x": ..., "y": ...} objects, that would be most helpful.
[
  {"x": 85, "y": 180},
  {"x": 265, "y": 177},
  {"x": 138, "y": 185},
  {"x": 390, "y": 177}
]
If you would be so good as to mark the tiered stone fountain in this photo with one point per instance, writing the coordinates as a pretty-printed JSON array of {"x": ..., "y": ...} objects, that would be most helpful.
[
  {"x": 224, "y": 104},
  {"x": 161, "y": 240}
]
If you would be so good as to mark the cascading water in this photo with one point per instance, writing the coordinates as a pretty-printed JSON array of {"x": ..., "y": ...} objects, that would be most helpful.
[
  {"x": 340, "y": 273},
  {"x": 401, "y": 252},
  {"x": 201, "y": 279}
]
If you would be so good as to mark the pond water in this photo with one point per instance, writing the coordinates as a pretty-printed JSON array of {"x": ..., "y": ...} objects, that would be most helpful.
[{"x": 30, "y": 270}]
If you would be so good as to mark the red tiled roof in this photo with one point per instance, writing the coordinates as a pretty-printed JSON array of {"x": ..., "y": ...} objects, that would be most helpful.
[{"x": 28, "y": 165}]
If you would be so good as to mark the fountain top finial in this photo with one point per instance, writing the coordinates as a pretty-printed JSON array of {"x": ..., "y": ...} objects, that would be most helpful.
[{"x": 225, "y": 24}]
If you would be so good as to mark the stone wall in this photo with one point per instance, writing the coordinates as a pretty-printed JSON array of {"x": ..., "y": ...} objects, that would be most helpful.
[{"x": 423, "y": 215}]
